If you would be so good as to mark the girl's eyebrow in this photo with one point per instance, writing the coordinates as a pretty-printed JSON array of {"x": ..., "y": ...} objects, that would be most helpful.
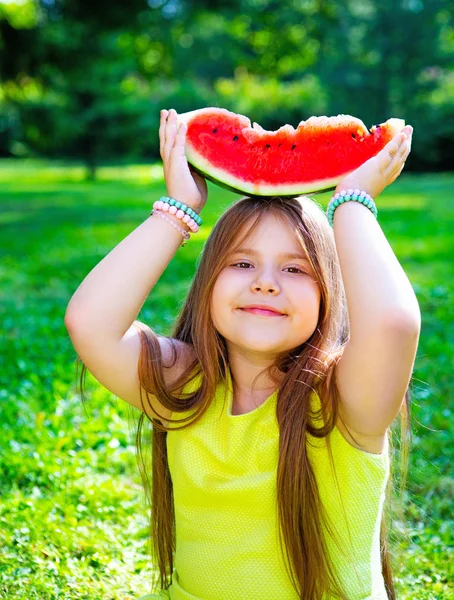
[{"x": 283, "y": 254}]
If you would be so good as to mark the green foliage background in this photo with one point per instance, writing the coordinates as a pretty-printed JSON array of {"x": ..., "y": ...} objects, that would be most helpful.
[{"x": 87, "y": 80}]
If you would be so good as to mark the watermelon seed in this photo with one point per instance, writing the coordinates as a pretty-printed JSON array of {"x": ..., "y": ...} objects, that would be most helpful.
[
  {"x": 267, "y": 146},
  {"x": 294, "y": 146},
  {"x": 353, "y": 136},
  {"x": 214, "y": 130},
  {"x": 235, "y": 138},
  {"x": 279, "y": 144}
]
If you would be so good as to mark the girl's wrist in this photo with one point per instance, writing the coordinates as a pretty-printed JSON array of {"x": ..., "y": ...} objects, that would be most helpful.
[
  {"x": 181, "y": 209},
  {"x": 178, "y": 198},
  {"x": 178, "y": 221},
  {"x": 369, "y": 180},
  {"x": 344, "y": 196},
  {"x": 345, "y": 185}
]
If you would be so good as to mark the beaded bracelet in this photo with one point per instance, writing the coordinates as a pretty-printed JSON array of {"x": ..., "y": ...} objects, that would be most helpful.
[
  {"x": 180, "y": 206},
  {"x": 183, "y": 232},
  {"x": 347, "y": 195},
  {"x": 176, "y": 212}
]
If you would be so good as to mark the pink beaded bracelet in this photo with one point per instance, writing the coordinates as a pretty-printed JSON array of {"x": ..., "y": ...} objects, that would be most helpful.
[{"x": 177, "y": 212}]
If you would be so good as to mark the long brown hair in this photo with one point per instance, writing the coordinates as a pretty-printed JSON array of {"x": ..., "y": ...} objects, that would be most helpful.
[{"x": 313, "y": 364}]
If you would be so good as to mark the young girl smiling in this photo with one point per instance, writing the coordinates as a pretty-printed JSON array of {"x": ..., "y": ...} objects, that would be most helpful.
[{"x": 272, "y": 401}]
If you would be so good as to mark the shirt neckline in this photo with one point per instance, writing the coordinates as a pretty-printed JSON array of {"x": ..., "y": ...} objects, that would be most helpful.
[{"x": 228, "y": 411}]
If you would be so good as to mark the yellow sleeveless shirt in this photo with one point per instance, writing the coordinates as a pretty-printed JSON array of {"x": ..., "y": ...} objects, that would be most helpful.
[{"x": 223, "y": 471}]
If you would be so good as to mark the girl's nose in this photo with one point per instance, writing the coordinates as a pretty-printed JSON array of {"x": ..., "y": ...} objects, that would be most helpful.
[{"x": 265, "y": 282}]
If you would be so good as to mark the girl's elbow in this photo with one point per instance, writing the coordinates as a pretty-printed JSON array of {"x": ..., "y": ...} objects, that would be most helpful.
[{"x": 405, "y": 322}]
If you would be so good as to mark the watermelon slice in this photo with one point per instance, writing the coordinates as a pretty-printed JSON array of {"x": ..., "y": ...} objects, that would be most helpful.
[{"x": 224, "y": 148}]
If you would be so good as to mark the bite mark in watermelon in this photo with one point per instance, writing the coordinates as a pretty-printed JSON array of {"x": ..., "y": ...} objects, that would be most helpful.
[{"x": 224, "y": 148}]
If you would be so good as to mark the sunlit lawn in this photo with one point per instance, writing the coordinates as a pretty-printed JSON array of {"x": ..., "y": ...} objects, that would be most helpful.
[{"x": 73, "y": 519}]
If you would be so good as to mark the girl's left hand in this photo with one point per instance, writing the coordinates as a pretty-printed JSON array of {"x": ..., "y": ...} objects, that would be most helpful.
[{"x": 381, "y": 170}]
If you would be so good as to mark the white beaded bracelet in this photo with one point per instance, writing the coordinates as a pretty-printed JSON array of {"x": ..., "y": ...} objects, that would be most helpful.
[{"x": 183, "y": 232}]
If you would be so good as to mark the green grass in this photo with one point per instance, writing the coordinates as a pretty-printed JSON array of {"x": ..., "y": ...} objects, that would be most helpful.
[{"x": 73, "y": 523}]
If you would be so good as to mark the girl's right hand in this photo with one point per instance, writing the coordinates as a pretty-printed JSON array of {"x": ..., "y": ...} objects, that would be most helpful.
[
  {"x": 381, "y": 170},
  {"x": 182, "y": 183}
]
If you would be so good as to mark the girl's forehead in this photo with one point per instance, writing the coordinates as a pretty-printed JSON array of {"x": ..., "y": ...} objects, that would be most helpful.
[
  {"x": 280, "y": 251},
  {"x": 271, "y": 233}
]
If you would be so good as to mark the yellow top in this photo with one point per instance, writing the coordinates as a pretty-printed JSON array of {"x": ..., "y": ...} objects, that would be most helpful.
[{"x": 223, "y": 470}]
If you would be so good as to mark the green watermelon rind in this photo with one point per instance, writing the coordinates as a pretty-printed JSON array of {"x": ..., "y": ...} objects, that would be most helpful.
[
  {"x": 261, "y": 189},
  {"x": 283, "y": 193}
]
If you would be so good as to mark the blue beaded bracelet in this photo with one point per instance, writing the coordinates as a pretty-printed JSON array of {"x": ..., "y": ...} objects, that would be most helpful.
[
  {"x": 347, "y": 195},
  {"x": 183, "y": 207}
]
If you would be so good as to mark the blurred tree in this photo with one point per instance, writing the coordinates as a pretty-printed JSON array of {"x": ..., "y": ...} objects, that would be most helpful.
[
  {"x": 87, "y": 79},
  {"x": 88, "y": 98},
  {"x": 391, "y": 47}
]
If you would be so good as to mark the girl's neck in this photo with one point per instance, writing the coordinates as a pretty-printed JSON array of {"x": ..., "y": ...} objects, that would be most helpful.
[
  {"x": 247, "y": 393},
  {"x": 244, "y": 403}
]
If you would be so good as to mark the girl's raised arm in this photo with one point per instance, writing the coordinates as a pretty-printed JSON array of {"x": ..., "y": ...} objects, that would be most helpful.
[
  {"x": 100, "y": 314},
  {"x": 375, "y": 369}
]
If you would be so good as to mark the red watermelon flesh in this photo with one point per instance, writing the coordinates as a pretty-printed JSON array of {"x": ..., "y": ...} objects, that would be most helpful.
[{"x": 223, "y": 147}]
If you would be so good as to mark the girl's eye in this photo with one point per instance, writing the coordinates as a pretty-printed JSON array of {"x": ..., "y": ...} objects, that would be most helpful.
[
  {"x": 245, "y": 263},
  {"x": 296, "y": 269}
]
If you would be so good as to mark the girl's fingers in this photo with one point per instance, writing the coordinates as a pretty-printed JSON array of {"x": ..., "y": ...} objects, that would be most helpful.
[
  {"x": 178, "y": 147},
  {"x": 386, "y": 155},
  {"x": 399, "y": 140},
  {"x": 162, "y": 126},
  {"x": 401, "y": 154},
  {"x": 169, "y": 133},
  {"x": 396, "y": 152},
  {"x": 398, "y": 173}
]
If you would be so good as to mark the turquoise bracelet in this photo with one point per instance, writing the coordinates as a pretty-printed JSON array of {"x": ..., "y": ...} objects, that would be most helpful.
[
  {"x": 346, "y": 196},
  {"x": 182, "y": 207}
]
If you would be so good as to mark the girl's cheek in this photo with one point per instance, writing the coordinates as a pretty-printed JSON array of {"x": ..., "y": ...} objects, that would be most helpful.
[{"x": 227, "y": 278}]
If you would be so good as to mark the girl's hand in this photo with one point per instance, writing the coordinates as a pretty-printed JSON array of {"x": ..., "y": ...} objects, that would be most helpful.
[
  {"x": 182, "y": 183},
  {"x": 381, "y": 170}
]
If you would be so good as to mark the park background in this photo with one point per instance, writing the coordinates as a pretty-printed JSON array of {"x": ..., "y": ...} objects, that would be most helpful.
[{"x": 81, "y": 87}]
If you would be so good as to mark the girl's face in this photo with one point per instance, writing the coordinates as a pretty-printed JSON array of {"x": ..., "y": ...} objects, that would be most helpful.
[{"x": 263, "y": 274}]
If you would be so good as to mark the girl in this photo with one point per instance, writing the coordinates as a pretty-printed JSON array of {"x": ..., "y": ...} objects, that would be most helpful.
[{"x": 271, "y": 404}]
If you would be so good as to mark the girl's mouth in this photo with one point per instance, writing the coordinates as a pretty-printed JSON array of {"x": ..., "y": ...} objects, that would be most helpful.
[{"x": 262, "y": 312}]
